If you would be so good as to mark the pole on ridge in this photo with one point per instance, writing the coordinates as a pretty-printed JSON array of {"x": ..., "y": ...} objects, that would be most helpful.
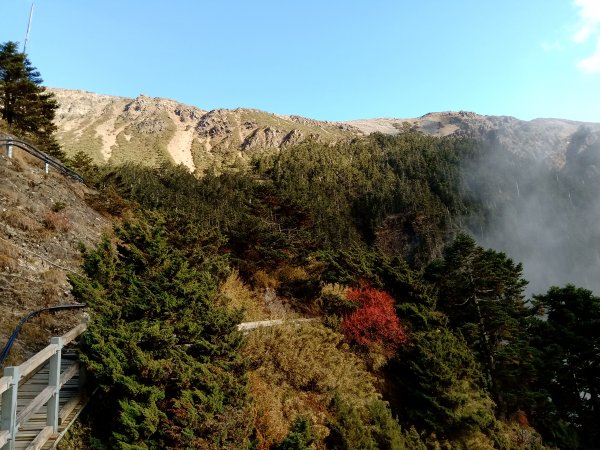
[{"x": 28, "y": 28}]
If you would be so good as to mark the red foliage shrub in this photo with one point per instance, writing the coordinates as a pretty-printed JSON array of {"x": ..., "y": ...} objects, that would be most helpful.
[
  {"x": 57, "y": 221},
  {"x": 521, "y": 418},
  {"x": 375, "y": 321}
]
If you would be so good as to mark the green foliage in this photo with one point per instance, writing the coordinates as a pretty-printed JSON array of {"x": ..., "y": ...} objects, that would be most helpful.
[
  {"x": 349, "y": 190},
  {"x": 24, "y": 103},
  {"x": 481, "y": 291},
  {"x": 373, "y": 429},
  {"x": 372, "y": 212},
  {"x": 568, "y": 350},
  {"x": 166, "y": 358},
  {"x": 437, "y": 383},
  {"x": 84, "y": 164},
  {"x": 300, "y": 436}
]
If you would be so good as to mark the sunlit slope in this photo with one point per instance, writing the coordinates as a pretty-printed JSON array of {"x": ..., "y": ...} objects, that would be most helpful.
[{"x": 152, "y": 130}]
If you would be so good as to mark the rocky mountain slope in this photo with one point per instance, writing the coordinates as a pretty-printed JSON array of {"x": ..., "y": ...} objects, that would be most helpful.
[
  {"x": 152, "y": 130},
  {"x": 44, "y": 219},
  {"x": 542, "y": 139}
]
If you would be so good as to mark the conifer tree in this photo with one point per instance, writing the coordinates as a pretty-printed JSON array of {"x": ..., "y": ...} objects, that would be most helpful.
[
  {"x": 166, "y": 358},
  {"x": 481, "y": 292},
  {"x": 25, "y": 104},
  {"x": 437, "y": 383},
  {"x": 568, "y": 346}
]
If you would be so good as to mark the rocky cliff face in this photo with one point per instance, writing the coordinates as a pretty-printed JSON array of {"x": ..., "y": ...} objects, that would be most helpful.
[
  {"x": 153, "y": 130},
  {"x": 543, "y": 139}
]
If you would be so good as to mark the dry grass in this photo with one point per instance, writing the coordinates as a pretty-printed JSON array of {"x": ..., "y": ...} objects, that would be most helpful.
[
  {"x": 27, "y": 245},
  {"x": 50, "y": 295},
  {"x": 8, "y": 264},
  {"x": 238, "y": 295},
  {"x": 54, "y": 276},
  {"x": 57, "y": 221},
  {"x": 17, "y": 163},
  {"x": 8, "y": 256},
  {"x": 264, "y": 280},
  {"x": 291, "y": 274},
  {"x": 297, "y": 371},
  {"x": 25, "y": 161},
  {"x": 10, "y": 196},
  {"x": 36, "y": 209},
  {"x": 20, "y": 220}
]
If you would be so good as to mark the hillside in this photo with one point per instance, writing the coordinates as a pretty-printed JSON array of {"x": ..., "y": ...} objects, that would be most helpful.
[
  {"x": 420, "y": 338},
  {"x": 541, "y": 139},
  {"x": 151, "y": 130},
  {"x": 333, "y": 232},
  {"x": 43, "y": 221},
  {"x": 513, "y": 181}
]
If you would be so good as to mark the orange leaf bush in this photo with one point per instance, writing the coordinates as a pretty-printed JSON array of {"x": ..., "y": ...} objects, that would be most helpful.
[{"x": 374, "y": 323}]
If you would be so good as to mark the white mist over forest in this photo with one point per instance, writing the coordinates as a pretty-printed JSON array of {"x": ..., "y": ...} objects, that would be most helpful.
[{"x": 546, "y": 216}]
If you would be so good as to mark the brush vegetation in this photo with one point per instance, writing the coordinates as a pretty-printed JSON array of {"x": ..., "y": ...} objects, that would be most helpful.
[{"x": 421, "y": 338}]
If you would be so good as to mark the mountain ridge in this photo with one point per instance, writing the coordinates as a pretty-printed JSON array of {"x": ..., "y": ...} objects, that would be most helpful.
[{"x": 152, "y": 130}]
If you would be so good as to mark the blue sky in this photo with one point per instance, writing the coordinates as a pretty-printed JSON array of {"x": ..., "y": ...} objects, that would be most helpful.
[{"x": 329, "y": 60}]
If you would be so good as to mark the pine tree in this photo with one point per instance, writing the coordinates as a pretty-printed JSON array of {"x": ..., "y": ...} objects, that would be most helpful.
[
  {"x": 568, "y": 346},
  {"x": 25, "y": 104},
  {"x": 481, "y": 292},
  {"x": 166, "y": 358},
  {"x": 437, "y": 382}
]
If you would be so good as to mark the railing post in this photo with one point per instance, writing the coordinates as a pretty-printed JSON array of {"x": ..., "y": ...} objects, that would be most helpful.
[
  {"x": 46, "y": 167},
  {"x": 54, "y": 381},
  {"x": 9, "y": 148},
  {"x": 9, "y": 407}
]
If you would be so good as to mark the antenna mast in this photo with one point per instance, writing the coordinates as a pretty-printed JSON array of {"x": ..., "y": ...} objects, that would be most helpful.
[{"x": 28, "y": 27}]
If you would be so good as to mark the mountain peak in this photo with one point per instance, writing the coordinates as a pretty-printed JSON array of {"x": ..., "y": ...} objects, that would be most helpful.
[{"x": 152, "y": 130}]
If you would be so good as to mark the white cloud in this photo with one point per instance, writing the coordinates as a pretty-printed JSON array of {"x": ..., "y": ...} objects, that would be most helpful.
[
  {"x": 591, "y": 64},
  {"x": 589, "y": 28}
]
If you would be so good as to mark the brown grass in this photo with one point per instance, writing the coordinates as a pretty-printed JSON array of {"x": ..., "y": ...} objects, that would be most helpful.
[
  {"x": 20, "y": 220},
  {"x": 57, "y": 221},
  {"x": 263, "y": 280},
  {"x": 10, "y": 196},
  {"x": 297, "y": 371},
  {"x": 54, "y": 276},
  {"x": 289, "y": 274},
  {"x": 17, "y": 163},
  {"x": 8, "y": 263},
  {"x": 50, "y": 295},
  {"x": 24, "y": 160},
  {"x": 8, "y": 256},
  {"x": 237, "y": 295}
]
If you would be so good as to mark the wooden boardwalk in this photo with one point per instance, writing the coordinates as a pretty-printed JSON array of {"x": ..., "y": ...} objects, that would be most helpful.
[{"x": 34, "y": 418}]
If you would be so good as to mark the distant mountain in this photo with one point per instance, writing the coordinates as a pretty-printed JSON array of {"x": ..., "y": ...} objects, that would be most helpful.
[
  {"x": 151, "y": 130},
  {"x": 542, "y": 139}
]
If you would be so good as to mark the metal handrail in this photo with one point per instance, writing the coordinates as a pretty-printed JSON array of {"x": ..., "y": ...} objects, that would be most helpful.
[
  {"x": 13, "y": 337},
  {"x": 18, "y": 410},
  {"x": 51, "y": 161}
]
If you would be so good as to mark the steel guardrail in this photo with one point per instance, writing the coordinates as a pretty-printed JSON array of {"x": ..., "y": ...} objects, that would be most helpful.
[{"x": 49, "y": 160}]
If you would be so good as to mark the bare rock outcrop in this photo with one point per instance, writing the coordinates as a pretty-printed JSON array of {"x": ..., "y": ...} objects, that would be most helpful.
[{"x": 152, "y": 130}]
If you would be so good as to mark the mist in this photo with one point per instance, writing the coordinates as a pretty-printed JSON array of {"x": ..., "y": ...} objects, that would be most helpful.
[{"x": 544, "y": 215}]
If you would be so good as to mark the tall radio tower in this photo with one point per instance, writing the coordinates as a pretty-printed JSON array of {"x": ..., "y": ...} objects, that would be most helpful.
[{"x": 28, "y": 27}]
